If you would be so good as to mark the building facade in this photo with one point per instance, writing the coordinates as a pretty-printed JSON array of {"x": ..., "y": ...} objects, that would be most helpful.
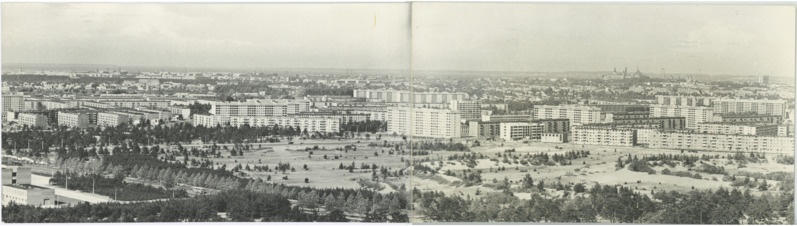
[
  {"x": 603, "y": 136},
  {"x": 521, "y": 130},
  {"x": 113, "y": 118},
  {"x": 578, "y": 114},
  {"x": 32, "y": 120},
  {"x": 73, "y": 119},
  {"x": 665, "y": 123},
  {"x": 13, "y": 102},
  {"x": 758, "y": 106},
  {"x": 693, "y": 115},
  {"x": 748, "y": 118},
  {"x": 469, "y": 110},
  {"x": 17, "y": 188},
  {"x": 424, "y": 122},
  {"x": 738, "y": 128},
  {"x": 386, "y": 95},
  {"x": 722, "y": 142},
  {"x": 263, "y": 107},
  {"x": 685, "y": 101}
]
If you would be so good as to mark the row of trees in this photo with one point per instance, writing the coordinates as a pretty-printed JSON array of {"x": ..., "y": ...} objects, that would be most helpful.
[
  {"x": 614, "y": 203},
  {"x": 240, "y": 205},
  {"x": 113, "y": 187}
]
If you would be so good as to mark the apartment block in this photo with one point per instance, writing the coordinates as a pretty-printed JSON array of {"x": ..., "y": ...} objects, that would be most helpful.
[
  {"x": 748, "y": 118},
  {"x": 685, "y": 101},
  {"x": 603, "y": 136},
  {"x": 755, "y": 129},
  {"x": 758, "y": 106},
  {"x": 578, "y": 114},
  {"x": 722, "y": 142},
  {"x": 263, "y": 107},
  {"x": 521, "y": 130},
  {"x": 693, "y": 115},
  {"x": 470, "y": 110},
  {"x": 424, "y": 122},
  {"x": 73, "y": 119},
  {"x": 113, "y": 118},
  {"x": 32, "y": 120},
  {"x": 407, "y": 96}
]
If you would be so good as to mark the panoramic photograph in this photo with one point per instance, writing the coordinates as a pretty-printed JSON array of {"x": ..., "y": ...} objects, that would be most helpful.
[{"x": 406, "y": 112}]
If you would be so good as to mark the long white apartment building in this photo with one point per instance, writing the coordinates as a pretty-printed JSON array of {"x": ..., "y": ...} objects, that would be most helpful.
[
  {"x": 424, "y": 122},
  {"x": 693, "y": 115},
  {"x": 261, "y": 107},
  {"x": 386, "y": 95},
  {"x": 375, "y": 115},
  {"x": 59, "y": 104},
  {"x": 694, "y": 101},
  {"x": 578, "y": 114},
  {"x": 603, "y": 136},
  {"x": 721, "y": 142},
  {"x": 760, "y": 106},
  {"x": 738, "y": 128},
  {"x": 312, "y": 124}
]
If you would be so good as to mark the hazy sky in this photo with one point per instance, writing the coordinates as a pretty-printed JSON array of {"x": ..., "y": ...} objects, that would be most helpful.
[
  {"x": 556, "y": 37},
  {"x": 209, "y": 35},
  {"x": 446, "y": 36}
]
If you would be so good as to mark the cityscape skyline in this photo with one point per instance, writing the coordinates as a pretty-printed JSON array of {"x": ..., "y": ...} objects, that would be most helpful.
[{"x": 376, "y": 36}]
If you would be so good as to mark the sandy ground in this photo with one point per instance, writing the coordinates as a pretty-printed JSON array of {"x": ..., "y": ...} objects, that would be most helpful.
[{"x": 598, "y": 167}]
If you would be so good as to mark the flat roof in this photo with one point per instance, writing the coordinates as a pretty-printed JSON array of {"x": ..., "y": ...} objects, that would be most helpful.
[{"x": 27, "y": 187}]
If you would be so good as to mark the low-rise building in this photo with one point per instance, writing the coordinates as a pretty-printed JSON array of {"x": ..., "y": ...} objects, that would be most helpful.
[
  {"x": 17, "y": 188},
  {"x": 553, "y": 137},
  {"x": 182, "y": 111}
]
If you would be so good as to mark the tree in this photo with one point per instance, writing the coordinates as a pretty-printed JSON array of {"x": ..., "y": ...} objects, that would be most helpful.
[
  {"x": 335, "y": 215},
  {"x": 528, "y": 182}
]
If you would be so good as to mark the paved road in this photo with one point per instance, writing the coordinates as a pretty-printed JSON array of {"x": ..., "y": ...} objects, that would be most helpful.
[{"x": 43, "y": 181}]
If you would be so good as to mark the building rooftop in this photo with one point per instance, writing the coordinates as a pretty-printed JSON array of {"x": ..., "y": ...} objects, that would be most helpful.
[
  {"x": 27, "y": 187},
  {"x": 740, "y": 123}
]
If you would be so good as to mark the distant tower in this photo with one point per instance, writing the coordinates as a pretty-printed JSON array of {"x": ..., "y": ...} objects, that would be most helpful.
[
  {"x": 615, "y": 70},
  {"x": 763, "y": 79}
]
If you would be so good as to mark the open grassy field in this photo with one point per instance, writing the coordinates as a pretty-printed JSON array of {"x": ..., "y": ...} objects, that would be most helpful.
[
  {"x": 321, "y": 172},
  {"x": 598, "y": 167}
]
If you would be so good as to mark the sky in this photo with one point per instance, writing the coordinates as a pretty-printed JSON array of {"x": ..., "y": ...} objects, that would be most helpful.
[
  {"x": 356, "y": 36},
  {"x": 706, "y": 39}
]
